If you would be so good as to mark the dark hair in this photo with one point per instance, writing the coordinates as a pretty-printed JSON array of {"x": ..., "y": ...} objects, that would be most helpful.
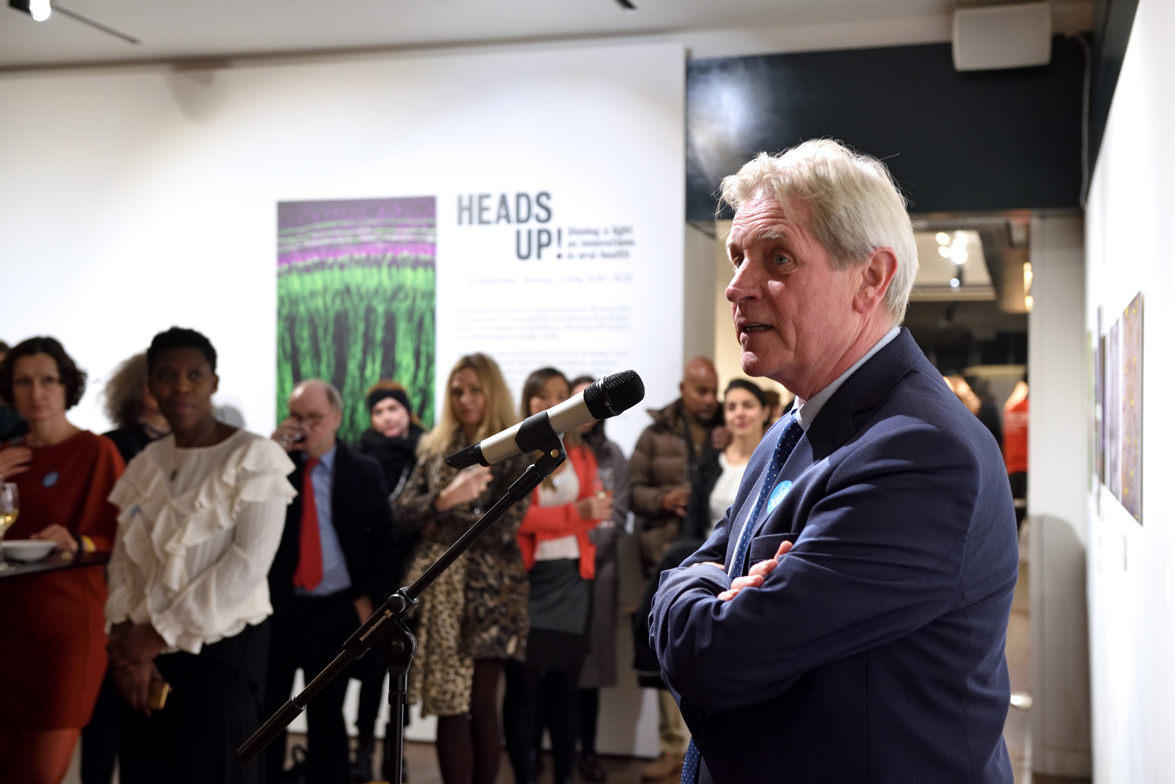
[
  {"x": 3, "y": 347},
  {"x": 73, "y": 378},
  {"x": 534, "y": 382},
  {"x": 124, "y": 392},
  {"x": 178, "y": 337},
  {"x": 749, "y": 386}
]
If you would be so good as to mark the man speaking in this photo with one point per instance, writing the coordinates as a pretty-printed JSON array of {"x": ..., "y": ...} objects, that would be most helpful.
[{"x": 846, "y": 620}]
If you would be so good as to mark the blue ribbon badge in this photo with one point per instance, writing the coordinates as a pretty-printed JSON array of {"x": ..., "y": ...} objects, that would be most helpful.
[
  {"x": 50, "y": 479},
  {"x": 777, "y": 495}
]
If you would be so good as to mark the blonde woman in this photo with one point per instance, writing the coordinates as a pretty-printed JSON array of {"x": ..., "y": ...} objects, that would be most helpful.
[{"x": 473, "y": 618}]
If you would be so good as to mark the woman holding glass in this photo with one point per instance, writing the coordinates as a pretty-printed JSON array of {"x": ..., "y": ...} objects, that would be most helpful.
[
  {"x": 473, "y": 618},
  {"x": 561, "y": 559},
  {"x": 53, "y": 643}
]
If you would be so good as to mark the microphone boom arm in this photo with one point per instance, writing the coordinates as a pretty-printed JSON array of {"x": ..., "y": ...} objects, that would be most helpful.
[{"x": 385, "y": 629}]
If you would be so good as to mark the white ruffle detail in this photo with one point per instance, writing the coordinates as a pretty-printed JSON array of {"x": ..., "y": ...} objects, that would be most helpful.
[
  {"x": 255, "y": 471},
  {"x": 157, "y": 530}
]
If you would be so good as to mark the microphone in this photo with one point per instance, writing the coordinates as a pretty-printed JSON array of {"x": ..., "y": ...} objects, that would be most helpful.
[{"x": 606, "y": 398}]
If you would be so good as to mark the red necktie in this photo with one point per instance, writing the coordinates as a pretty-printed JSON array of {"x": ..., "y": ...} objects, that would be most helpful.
[{"x": 309, "y": 573}]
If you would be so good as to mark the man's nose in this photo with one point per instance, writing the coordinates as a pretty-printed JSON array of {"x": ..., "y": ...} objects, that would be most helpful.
[{"x": 744, "y": 285}]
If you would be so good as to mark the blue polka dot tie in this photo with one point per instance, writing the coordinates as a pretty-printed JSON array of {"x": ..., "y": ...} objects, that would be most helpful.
[
  {"x": 783, "y": 449},
  {"x": 738, "y": 566}
]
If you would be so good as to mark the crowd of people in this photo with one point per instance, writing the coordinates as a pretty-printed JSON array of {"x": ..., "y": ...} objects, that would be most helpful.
[{"x": 236, "y": 559}]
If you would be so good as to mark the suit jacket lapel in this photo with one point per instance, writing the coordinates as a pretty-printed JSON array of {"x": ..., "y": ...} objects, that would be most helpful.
[{"x": 842, "y": 414}]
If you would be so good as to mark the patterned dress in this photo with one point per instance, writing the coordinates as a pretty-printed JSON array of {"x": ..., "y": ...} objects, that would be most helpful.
[{"x": 477, "y": 608}]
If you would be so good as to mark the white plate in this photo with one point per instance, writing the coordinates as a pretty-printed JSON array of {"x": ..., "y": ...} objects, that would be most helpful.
[{"x": 27, "y": 550}]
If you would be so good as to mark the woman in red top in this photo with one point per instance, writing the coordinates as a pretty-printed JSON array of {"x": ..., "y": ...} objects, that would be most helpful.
[
  {"x": 561, "y": 562},
  {"x": 53, "y": 647}
]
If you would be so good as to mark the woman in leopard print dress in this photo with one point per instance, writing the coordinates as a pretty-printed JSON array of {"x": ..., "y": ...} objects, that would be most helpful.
[{"x": 473, "y": 618}]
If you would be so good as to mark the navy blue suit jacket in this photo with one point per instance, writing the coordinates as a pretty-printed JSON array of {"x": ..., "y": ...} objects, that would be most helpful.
[{"x": 875, "y": 650}]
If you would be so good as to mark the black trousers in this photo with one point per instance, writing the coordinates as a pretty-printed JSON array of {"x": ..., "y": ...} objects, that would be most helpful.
[
  {"x": 214, "y": 706},
  {"x": 309, "y": 632},
  {"x": 534, "y": 698}
]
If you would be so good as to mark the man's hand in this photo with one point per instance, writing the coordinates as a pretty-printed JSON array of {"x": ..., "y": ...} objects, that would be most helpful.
[
  {"x": 756, "y": 575},
  {"x": 289, "y": 435},
  {"x": 675, "y": 500}
]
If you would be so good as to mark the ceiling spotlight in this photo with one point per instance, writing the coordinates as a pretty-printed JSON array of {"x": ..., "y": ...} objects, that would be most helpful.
[
  {"x": 944, "y": 251},
  {"x": 37, "y": 9},
  {"x": 954, "y": 283},
  {"x": 943, "y": 238},
  {"x": 40, "y": 10}
]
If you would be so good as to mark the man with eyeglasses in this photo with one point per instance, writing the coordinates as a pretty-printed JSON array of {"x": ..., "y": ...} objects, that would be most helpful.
[{"x": 330, "y": 570}]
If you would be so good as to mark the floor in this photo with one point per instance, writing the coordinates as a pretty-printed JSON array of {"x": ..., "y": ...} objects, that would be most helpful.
[{"x": 422, "y": 763}]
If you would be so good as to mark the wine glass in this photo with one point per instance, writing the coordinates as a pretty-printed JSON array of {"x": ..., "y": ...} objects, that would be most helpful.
[
  {"x": 9, "y": 507},
  {"x": 604, "y": 482}
]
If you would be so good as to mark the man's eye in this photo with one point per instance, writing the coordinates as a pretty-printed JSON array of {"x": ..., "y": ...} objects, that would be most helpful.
[{"x": 780, "y": 259}]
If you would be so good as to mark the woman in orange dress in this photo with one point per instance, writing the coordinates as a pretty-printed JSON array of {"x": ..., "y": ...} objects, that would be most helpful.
[{"x": 53, "y": 648}]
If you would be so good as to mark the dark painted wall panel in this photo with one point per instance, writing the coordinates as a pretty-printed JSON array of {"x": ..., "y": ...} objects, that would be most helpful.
[{"x": 957, "y": 142}]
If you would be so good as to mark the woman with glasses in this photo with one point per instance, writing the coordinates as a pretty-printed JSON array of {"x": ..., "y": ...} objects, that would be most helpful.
[{"x": 52, "y": 647}]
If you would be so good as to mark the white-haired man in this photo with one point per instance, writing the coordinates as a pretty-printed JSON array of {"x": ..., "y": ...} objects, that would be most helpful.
[
  {"x": 846, "y": 621},
  {"x": 337, "y": 550}
]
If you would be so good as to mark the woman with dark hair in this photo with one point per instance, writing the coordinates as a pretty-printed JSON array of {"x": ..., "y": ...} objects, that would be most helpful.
[
  {"x": 747, "y": 412},
  {"x": 53, "y": 643},
  {"x": 599, "y": 668},
  {"x": 392, "y": 440},
  {"x": 472, "y": 619},
  {"x": 129, "y": 405},
  {"x": 561, "y": 560},
  {"x": 203, "y": 511}
]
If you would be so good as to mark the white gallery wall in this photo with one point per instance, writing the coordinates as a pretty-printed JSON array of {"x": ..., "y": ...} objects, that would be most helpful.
[
  {"x": 134, "y": 199},
  {"x": 1131, "y": 566}
]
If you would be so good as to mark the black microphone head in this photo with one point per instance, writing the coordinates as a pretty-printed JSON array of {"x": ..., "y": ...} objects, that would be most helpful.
[{"x": 614, "y": 394}]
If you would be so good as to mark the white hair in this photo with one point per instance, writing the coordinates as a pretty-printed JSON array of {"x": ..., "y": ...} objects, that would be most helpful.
[
  {"x": 333, "y": 398},
  {"x": 854, "y": 206}
]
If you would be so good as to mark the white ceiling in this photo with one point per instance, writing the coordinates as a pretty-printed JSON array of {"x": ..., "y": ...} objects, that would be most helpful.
[{"x": 182, "y": 29}]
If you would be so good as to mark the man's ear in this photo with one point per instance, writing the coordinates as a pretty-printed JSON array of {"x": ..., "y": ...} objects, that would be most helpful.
[
  {"x": 215, "y": 383},
  {"x": 876, "y": 275}
]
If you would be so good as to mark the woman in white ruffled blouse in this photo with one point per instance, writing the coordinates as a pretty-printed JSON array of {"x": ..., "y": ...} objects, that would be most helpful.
[{"x": 202, "y": 513}]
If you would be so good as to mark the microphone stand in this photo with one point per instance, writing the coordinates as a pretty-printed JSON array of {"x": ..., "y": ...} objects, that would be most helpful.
[{"x": 386, "y": 631}]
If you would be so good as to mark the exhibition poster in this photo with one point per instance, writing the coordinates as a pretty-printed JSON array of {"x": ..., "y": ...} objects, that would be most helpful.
[{"x": 356, "y": 300}]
